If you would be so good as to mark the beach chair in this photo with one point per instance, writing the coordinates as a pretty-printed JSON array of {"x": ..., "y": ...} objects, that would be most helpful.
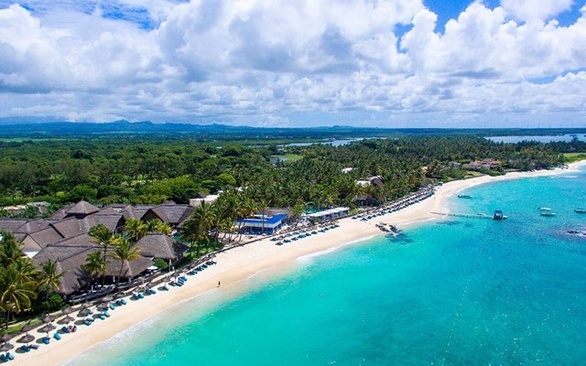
[
  {"x": 25, "y": 348},
  {"x": 64, "y": 329},
  {"x": 46, "y": 340},
  {"x": 57, "y": 336},
  {"x": 34, "y": 346},
  {"x": 9, "y": 356},
  {"x": 4, "y": 358}
]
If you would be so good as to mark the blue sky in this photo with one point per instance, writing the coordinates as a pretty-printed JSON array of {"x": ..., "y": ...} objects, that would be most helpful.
[{"x": 388, "y": 63}]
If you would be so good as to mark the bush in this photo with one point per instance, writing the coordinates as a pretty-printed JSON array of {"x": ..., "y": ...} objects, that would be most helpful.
[{"x": 160, "y": 263}]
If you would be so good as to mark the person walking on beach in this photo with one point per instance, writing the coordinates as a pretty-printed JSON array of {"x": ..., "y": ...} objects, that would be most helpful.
[{"x": 218, "y": 283}]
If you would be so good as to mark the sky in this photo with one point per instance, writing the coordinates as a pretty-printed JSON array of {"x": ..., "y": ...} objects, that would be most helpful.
[{"x": 296, "y": 63}]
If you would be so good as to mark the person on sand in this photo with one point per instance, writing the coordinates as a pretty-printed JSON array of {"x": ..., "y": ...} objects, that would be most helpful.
[{"x": 218, "y": 283}]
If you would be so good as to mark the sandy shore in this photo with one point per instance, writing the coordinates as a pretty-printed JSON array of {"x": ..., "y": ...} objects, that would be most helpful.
[{"x": 236, "y": 265}]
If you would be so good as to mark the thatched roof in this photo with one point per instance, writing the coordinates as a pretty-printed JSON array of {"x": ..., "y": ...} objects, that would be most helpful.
[
  {"x": 41, "y": 238},
  {"x": 135, "y": 212},
  {"x": 12, "y": 224},
  {"x": 69, "y": 260},
  {"x": 172, "y": 214},
  {"x": 33, "y": 225},
  {"x": 69, "y": 227},
  {"x": 81, "y": 240},
  {"x": 130, "y": 269},
  {"x": 82, "y": 208},
  {"x": 158, "y": 245},
  {"x": 111, "y": 221}
]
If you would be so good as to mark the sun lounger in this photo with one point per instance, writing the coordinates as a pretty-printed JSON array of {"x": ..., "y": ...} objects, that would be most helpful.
[
  {"x": 25, "y": 348},
  {"x": 57, "y": 336},
  {"x": 46, "y": 340},
  {"x": 64, "y": 329},
  {"x": 9, "y": 356},
  {"x": 4, "y": 358},
  {"x": 34, "y": 346}
]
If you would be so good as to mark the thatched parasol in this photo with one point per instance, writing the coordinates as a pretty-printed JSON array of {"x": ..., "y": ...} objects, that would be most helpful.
[
  {"x": 103, "y": 307},
  {"x": 68, "y": 310},
  {"x": 47, "y": 319},
  {"x": 28, "y": 338},
  {"x": 27, "y": 328},
  {"x": 46, "y": 328},
  {"x": 84, "y": 312},
  {"x": 6, "y": 337},
  {"x": 6, "y": 347},
  {"x": 107, "y": 299},
  {"x": 68, "y": 319}
]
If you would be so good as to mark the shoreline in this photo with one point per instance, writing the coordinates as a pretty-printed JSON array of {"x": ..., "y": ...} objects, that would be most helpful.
[{"x": 237, "y": 265}]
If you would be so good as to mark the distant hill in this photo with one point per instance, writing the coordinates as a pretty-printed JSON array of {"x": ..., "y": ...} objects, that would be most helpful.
[{"x": 43, "y": 129}]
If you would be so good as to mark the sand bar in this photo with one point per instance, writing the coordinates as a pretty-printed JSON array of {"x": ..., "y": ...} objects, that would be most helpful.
[{"x": 238, "y": 264}]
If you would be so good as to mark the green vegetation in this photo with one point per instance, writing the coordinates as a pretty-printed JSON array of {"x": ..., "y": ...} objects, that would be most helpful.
[
  {"x": 574, "y": 157},
  {"x": 154, "y": 170},
  {"x": 21, "y": 282},
  {"x": 287, "y": 157}
]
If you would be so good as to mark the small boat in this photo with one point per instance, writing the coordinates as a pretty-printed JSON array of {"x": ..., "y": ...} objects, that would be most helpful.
[
  {"x": 546, "y": 211},
  {"x": 498, "y": 215},
  {"x": 580, "y": 210},
  {"x": 464, "y": 196}
]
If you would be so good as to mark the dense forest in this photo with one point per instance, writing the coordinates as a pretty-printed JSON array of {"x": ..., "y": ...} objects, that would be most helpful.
[{"x": 153, "y": 169}]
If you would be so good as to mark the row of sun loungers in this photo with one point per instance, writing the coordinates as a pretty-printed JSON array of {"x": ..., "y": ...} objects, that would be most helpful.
[
  {"x": 301, "y": 234},
  {"x": 396, "y": 205}
]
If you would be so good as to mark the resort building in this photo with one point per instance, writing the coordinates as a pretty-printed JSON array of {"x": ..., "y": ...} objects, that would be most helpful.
[
  {"x": 331, "y": 214},
  {"x": 208, "y": 199},
  {"x": 262, "y": 224},
  {"x": 372, "y": 181},
  {"x": 64, "y": 238}
]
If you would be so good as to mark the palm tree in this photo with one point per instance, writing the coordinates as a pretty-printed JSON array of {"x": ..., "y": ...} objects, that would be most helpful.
[
  {"x": 95, "y": 264},
  {"x": 163, "y": 228},
  {"x": 296, "y": 211},
  {"x": 10, "y": 248},
  {"x": 124, "y": 252},
  {"x": 196, "y": 228},
  {"x": 50, "y": 277},
  {"x": 136, "y": 229},
  {"x": 103, "y": 236},
  {"x": 16, "y": 291}
]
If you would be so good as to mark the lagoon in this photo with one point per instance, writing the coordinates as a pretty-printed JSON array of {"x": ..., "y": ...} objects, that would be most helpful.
[{"x": 454, "y": 292}]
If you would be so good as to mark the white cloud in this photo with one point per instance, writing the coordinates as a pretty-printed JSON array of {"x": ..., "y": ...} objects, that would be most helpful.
[
  {"x": 259, "y": 61},
  {"x": 532, "y": 10}
]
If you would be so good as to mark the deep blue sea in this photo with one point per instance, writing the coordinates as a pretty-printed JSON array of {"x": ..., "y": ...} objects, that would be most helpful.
[{"x": 454, "y": 292}]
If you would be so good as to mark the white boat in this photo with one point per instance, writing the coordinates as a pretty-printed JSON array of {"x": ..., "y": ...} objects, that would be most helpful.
[{"x": 546, "y": 211}]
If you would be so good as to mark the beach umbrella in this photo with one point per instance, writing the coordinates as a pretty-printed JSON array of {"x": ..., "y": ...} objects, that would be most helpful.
[
  {"x": 47, "y": 328},
  {"x": 47, "y": 319},
  {"x": 68, "y": 310},
  {"x": 84, "y": 312},
  {"x": 68, "y": 319},
  {"x": 85, "y": 305},
  {"x": 6, "y": 337},
  {"x": 28, "y": 338},
  {"x": 6, "y": 347},
  {"x": 27, "y": 328},
  {"x": 107, "y": 299}
]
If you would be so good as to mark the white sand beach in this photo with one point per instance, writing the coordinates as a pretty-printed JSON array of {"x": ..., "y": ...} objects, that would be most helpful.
[{"x": 236, "y": 265}]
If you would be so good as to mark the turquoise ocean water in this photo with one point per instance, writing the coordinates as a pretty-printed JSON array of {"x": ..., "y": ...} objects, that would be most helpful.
[{"x": 457, "y": 292}]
